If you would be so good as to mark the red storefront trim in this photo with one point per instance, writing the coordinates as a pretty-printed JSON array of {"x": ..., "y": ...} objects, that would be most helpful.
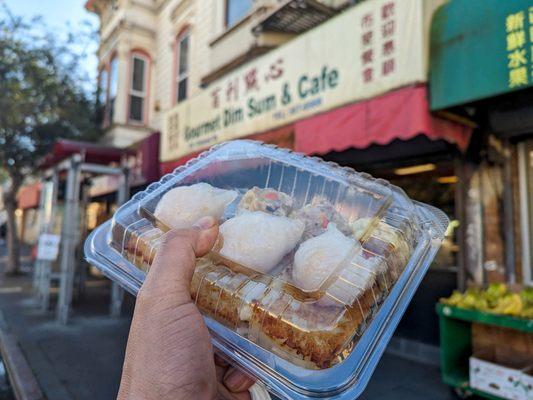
[{"x": 401, "y": 114}]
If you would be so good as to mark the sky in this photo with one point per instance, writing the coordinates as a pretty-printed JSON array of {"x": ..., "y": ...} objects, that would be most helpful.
[{"x": 57, "y": 15}]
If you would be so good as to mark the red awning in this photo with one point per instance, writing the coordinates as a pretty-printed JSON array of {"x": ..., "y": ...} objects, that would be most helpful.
[
  {"x": 401, "y": 114},
  {"x": 92, "y": 152},
  {"x": 28, "y": 196}
]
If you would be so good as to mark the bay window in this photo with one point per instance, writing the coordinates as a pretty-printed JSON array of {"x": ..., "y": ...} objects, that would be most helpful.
[
  {"x": 102, "y": 95},
  {"x": 182, "y": 65},
  {"x": 102, "y": 87},
  {"x": 237, "y": 10},
  {"x": 113, "y": 85},
  {"x": 138, "y": 87}
]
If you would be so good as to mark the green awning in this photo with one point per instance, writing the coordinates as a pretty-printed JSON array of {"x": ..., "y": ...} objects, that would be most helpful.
[{"x": 480, "y": 49}]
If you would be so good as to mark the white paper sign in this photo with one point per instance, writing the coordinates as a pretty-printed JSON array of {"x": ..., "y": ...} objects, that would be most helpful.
[{"x": 48, "y": 247}]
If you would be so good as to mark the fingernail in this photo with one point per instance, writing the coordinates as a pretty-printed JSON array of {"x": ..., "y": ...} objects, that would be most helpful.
[
  {"x": 205, "y": 223},
  {"x": 235, "y": 381}
]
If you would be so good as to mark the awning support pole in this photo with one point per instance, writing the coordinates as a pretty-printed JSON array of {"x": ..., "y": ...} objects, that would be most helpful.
[
  {"x": 47, "y": 265},
  {"x": 508, "y": 218},
  {"x": 117, "y": 293},
  {"x": 37, "y": 266},
  {"x": 69, "y": 240}
]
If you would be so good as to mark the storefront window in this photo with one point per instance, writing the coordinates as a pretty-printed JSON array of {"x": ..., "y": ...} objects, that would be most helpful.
[
  {"x": 182, "y": 70},
  {"x": 102, "y": 87},
  {"x": 435, "y": 184},
  {"x": 526, "y": 193},
  {"x": 236, "y": 10},
  {"x": 138, "y": 87}
]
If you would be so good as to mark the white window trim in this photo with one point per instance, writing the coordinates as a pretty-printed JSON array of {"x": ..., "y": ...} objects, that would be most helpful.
[
  {"x": 137, "y": 93},
  {"x": 524, "y": 211},
  {"x": 184, "y": 75}
]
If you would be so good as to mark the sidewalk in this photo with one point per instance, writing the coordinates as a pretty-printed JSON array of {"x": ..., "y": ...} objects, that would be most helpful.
[
  {"x": 83, "y": 360},
  {"x": 80, "y": 361}
]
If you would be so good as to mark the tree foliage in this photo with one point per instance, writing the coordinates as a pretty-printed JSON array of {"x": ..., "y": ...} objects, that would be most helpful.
[{"x": 42, "y": 96}]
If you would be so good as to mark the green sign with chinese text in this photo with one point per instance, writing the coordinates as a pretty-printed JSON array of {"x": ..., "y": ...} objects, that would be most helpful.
[{"x": 480, "y": 49}]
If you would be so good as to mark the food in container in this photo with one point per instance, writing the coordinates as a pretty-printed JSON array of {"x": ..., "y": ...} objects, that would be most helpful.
[
  {"x": 267, "y": 200},
  {"x": 183, "y": 206},
  {"x": 319, "y": 215},
  {"x": 318, "y": 257},
  {"x": 312, "y": 269},
  {"x": 258, "y": 240}
]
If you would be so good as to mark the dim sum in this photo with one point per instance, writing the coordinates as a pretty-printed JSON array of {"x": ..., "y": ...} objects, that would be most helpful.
[
  {"x": 317, "y": 216},
  {"x": 181, "y": 207},
  {"x": 258, "y": 240},
  {"x": 317, "y": 258},
  {"x": 267, "y": 200}
]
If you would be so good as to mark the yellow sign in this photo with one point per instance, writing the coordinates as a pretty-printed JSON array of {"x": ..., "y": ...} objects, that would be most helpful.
[
  {"x": 368, "y": 50},
  {"x": 516, "y": 26}
]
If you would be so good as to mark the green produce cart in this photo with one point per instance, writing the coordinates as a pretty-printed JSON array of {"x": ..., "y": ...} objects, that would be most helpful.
[{"x": 456, "y": 343}]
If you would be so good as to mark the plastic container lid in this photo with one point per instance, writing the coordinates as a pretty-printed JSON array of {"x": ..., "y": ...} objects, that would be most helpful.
[{"x": 312, "y": 271}]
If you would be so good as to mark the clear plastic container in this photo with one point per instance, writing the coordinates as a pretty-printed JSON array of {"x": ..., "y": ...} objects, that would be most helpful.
[{"x": 312, "y": 270}]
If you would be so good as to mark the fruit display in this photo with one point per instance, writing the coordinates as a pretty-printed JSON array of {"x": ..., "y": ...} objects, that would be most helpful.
[{"x": 497, "y": 298}]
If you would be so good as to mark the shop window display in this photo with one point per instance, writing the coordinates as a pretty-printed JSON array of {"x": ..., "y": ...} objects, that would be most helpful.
[{"x": 433, "y": 184}]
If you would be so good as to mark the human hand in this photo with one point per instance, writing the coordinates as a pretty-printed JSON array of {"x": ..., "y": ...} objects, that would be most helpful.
[{"x": 169, "y": 353}]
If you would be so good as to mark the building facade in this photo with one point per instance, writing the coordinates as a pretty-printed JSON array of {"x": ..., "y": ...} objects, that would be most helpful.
[
  {"x": 344, "y": 80},
  {"x": 154, "y": 54}
]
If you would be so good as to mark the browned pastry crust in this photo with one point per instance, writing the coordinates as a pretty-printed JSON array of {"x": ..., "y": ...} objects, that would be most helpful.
[{"x": 304, "y": 333}]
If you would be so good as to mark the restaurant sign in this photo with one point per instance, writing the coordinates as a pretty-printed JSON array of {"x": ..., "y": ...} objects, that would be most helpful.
[{"x": 370, "y": 49}]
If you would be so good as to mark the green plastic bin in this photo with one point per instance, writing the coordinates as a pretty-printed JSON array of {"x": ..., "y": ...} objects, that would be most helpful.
[{"x": 456, "y": 343}]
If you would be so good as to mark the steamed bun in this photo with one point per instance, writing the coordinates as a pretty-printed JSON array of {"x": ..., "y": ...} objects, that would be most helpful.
[
  {"x": 181, "y": 207},
  {"x": 317, "y": 258},
  {"x": 259, "y": 240}
]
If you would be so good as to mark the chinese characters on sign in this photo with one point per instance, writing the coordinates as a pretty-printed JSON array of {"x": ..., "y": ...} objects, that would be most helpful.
[
  {"x": 367, "y": 55},
  {"x": 519, "y": 41},
  {"x": 250, "y": 82},
  {"x": 306, "y": 76},
  {"x": 377, "y": 36}
]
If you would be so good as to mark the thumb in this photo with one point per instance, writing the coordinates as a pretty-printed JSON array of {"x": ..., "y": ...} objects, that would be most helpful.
[{"x": 173, "y": 267}]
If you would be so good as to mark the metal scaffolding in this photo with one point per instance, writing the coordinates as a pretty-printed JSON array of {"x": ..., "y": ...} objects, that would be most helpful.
[{"x": 76, "y": 169}]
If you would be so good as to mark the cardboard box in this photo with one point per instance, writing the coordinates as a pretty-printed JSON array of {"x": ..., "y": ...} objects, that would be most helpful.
[
  {"x": 503, "y": 346},
  {"x": 495, "y": 379},
  {"x": 527, "y": 383}
]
